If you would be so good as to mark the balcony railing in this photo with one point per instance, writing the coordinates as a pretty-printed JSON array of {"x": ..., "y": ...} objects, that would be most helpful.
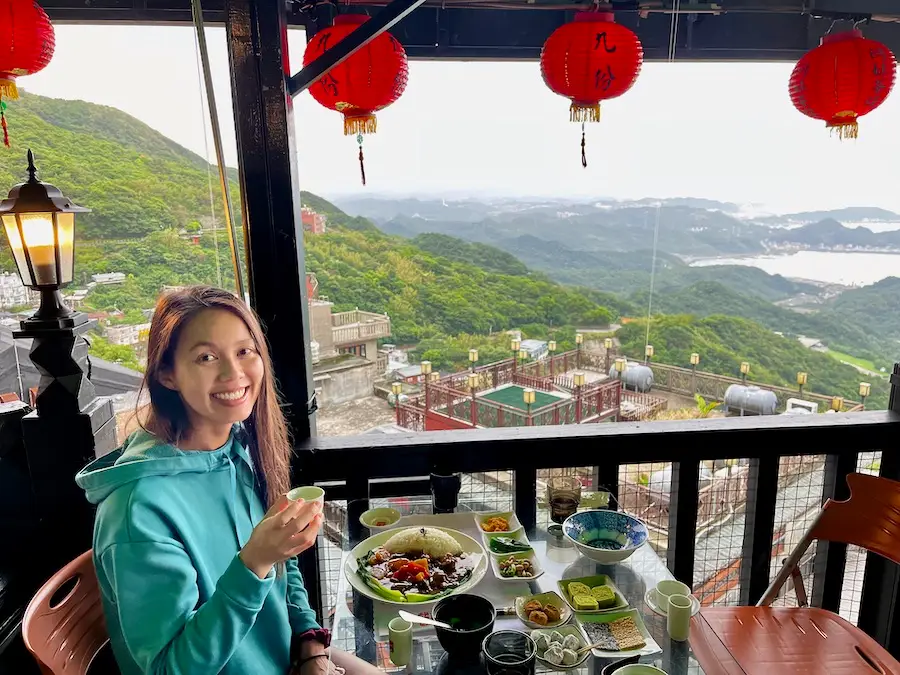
[
  {"x": 720, "y": 495},
  {"x": 358, "y": 326}
]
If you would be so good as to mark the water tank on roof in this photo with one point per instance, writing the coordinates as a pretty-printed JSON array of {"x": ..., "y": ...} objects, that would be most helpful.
[
  {"x": 314, "y": 351},
  {"x": 637, "y": 377},
  {"x": 744, "y": 400}
]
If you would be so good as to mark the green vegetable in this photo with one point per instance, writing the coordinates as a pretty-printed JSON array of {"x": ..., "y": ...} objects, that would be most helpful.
[{"x": 508, "y": 545}]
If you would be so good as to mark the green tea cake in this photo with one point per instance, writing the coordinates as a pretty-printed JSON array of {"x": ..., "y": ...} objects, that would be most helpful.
[{"x": 604, "y": 596}]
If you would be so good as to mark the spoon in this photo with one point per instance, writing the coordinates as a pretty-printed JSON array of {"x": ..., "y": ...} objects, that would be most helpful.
[{"x": 414, "y": 618}]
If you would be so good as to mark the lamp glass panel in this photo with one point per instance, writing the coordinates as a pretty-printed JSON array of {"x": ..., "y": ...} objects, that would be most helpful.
[
  {"x": 65, "y": 229},
  {"x": 40, "y": 246},
  {"x": 15, "y": 243}
]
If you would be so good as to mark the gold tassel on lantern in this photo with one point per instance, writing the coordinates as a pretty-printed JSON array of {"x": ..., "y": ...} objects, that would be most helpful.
[
  {"x": 8, "y": 89},
  {"x": 848, "y": 129},
  {"x": 360, "y": 124},
  {"x": 581, "y": 112}
]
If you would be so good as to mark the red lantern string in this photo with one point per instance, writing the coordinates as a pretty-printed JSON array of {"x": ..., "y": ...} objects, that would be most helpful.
[
  {"x": 583, "y": 144},
  {"x": 362, "y": 164},
  {"x": 3, "y": 121},
  {"x": 845, "y": 77},
  {"x": 589, "y": 60}
]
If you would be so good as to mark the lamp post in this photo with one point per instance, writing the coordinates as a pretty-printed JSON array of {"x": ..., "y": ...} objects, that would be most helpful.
[
  {"x": 551, "y": 347},
  {"x": 523, "y": 355},
  {"x": 528, "y": 397},
  {"x": 837, "y": 403},
  {"x": 745, "y": 370},
  {"x": 426, "y": 375},
  {"x": 579, "y": 340},
  {"x": 473, "y": 385},
  {"x": 396, "y": 390},
  {"x": 70, "y": 424},
  {"x": 473, "y": 358},
  {"x": 608, "y": 344},
  {"x": 801, "y": 381},
  {"x": 578, "y": 380},
  {"x": 621, "y": 367},
  {"x": 648, "y": 353},
  {"x": 514, "y": 345},
  {"x": 695, "y": 361},
  {"x": 864, "y": 390}
]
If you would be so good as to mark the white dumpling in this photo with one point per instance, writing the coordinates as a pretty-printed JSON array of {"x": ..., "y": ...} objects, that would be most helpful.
[
  {"x": 556, "y": 636},
  {"x": 569, "y": 657},
  {"x": 571, "y": 642},
  {"x": 542, "y": 641},
  {"x": 554, "y": 655}
]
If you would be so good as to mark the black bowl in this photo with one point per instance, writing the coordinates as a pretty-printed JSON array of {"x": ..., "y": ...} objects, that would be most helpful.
[{"x": 476, "y": 612}]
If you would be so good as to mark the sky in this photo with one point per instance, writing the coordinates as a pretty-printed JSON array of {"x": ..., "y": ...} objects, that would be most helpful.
[{"x": 720, "y": 131}]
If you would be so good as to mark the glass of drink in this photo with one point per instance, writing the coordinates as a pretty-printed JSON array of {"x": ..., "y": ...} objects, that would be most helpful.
[
  {"x": 564, "y": 496},
  {"x": 509, "y": 652}
]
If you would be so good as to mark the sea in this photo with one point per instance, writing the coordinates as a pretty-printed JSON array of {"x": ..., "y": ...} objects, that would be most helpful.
[{"x": 838, "y": 267}]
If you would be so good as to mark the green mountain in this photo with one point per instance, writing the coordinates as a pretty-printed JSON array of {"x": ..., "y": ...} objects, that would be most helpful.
[
  {"x": 134, "y": 179},
  {"x": 725, "y": 341},
  {"x": 832, "y": 327}
]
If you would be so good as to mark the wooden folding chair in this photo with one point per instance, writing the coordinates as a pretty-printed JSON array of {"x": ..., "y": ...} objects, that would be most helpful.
[{"x": 764, "y": 640}]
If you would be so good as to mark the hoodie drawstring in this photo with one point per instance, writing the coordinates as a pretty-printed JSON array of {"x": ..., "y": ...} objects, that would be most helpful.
[{"x": 232, "y": 472}]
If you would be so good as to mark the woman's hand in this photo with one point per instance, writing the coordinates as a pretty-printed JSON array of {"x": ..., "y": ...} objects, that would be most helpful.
[
  {"x": 320, "y": 666},
  {"x": 288, "y": 529}
]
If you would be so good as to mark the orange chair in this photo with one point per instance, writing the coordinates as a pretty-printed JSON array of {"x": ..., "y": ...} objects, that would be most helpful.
[
  {"x": 65, "y": 634},
  {"x": 765, "y": 640}
]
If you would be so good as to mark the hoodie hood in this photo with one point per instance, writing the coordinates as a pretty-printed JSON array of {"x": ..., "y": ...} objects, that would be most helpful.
[{"x": 143, "y": 454}]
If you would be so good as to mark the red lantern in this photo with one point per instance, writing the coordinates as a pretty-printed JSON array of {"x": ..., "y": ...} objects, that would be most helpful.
[
  {"x": 589, "y": 60},
  {"x": 844, "y": 78},
  {"x": 372, "y": 78},
  {"x": 26, "y": 46}
]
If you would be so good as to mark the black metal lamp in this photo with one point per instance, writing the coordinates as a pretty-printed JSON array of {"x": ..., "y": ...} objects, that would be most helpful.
[{"x": 39, "y": 222}]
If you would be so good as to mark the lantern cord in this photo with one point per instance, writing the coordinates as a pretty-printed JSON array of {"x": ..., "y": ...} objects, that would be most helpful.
[
  {"x": 583, "y": 144},
  {"x": 362, "y": 163},
  {"x": 673, "y": 29},
  {"x": 3, "y": 122}
]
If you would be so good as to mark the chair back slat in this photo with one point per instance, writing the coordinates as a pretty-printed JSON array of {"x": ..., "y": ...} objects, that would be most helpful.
[
  {"x": 65, "y": 634},
  {"x": 870, "y": 518}
]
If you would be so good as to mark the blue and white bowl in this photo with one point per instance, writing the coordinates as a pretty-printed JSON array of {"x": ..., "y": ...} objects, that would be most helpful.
[{"x": 605, "y": 536}]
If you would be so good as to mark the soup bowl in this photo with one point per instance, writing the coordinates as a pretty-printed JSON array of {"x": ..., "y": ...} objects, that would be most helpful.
[
  {"x": 605, "y": 536},
  {"x": 472, "y": 618}
]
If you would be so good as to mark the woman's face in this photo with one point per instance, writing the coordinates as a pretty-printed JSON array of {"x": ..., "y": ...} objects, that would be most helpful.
[{"x": 217, "y": 370}]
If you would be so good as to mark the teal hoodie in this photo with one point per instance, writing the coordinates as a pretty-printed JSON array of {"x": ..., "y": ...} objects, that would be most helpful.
[{"x": 177, "y": 598}]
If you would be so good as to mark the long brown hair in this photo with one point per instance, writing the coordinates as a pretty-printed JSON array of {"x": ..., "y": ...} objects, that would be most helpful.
[{"x": 167, "y": 417}]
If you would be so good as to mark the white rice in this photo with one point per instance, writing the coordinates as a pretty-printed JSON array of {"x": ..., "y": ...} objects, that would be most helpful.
[{"x": 423, "y": 540}]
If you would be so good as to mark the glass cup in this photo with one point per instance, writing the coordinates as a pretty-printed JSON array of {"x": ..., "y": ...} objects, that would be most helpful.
[
  {"x": 564, "y": 496},
  {"x": 445, "y": 492},
  {"x": 509, "y": 652}
]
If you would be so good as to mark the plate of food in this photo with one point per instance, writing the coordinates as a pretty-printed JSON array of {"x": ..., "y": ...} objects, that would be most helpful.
[
  {"x": 592, "y": 595},
  {"x": 415, "y": 565},
  {"x": 498, "y": 521},
  {"x": 544, "y": 610},
  {"x": 504, "y": 543},
  {"x": 522, "y": 566},
  {"x": 560, "y": 648},
  {"x": 619, "y": 634}
]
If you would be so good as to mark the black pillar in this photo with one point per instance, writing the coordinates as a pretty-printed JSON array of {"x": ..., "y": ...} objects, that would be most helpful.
[
  {"x": 264, "y": 121},
  {"x": 69, "y": 428}
]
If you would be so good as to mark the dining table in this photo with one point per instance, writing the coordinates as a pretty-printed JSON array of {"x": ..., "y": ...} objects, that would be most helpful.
[{"x": 359, "y": 623}]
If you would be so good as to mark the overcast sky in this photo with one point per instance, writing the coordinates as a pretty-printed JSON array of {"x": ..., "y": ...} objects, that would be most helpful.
[{"x": 721, "y": 131}]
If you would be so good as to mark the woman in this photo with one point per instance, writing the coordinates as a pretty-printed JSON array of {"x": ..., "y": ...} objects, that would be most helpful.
[{"x": 195, "y": 539}]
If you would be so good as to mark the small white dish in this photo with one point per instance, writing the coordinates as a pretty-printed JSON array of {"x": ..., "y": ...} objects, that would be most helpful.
[
  {"x": 527, "y": 555},
  {"x": 379, "y": 519},
  {"x": 563, "y": 630},
  {"x": 509, "y": 516},
  {"x": 652, "y": 602},
  {"x": 517, "y": 535},
  {"x": 549, "y": 598}
]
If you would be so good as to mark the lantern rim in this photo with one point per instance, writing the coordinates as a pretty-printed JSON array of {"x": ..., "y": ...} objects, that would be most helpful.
[
  {"x": 853, "y": 34},
  {"x": 350, "y": 19},
  {"x": 593, "y": 16}
]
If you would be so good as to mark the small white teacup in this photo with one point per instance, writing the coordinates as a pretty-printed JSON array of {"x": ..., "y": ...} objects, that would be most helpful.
[
  {"x": 308, "y": 493},
  {"x": 667, "y": 588}
]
